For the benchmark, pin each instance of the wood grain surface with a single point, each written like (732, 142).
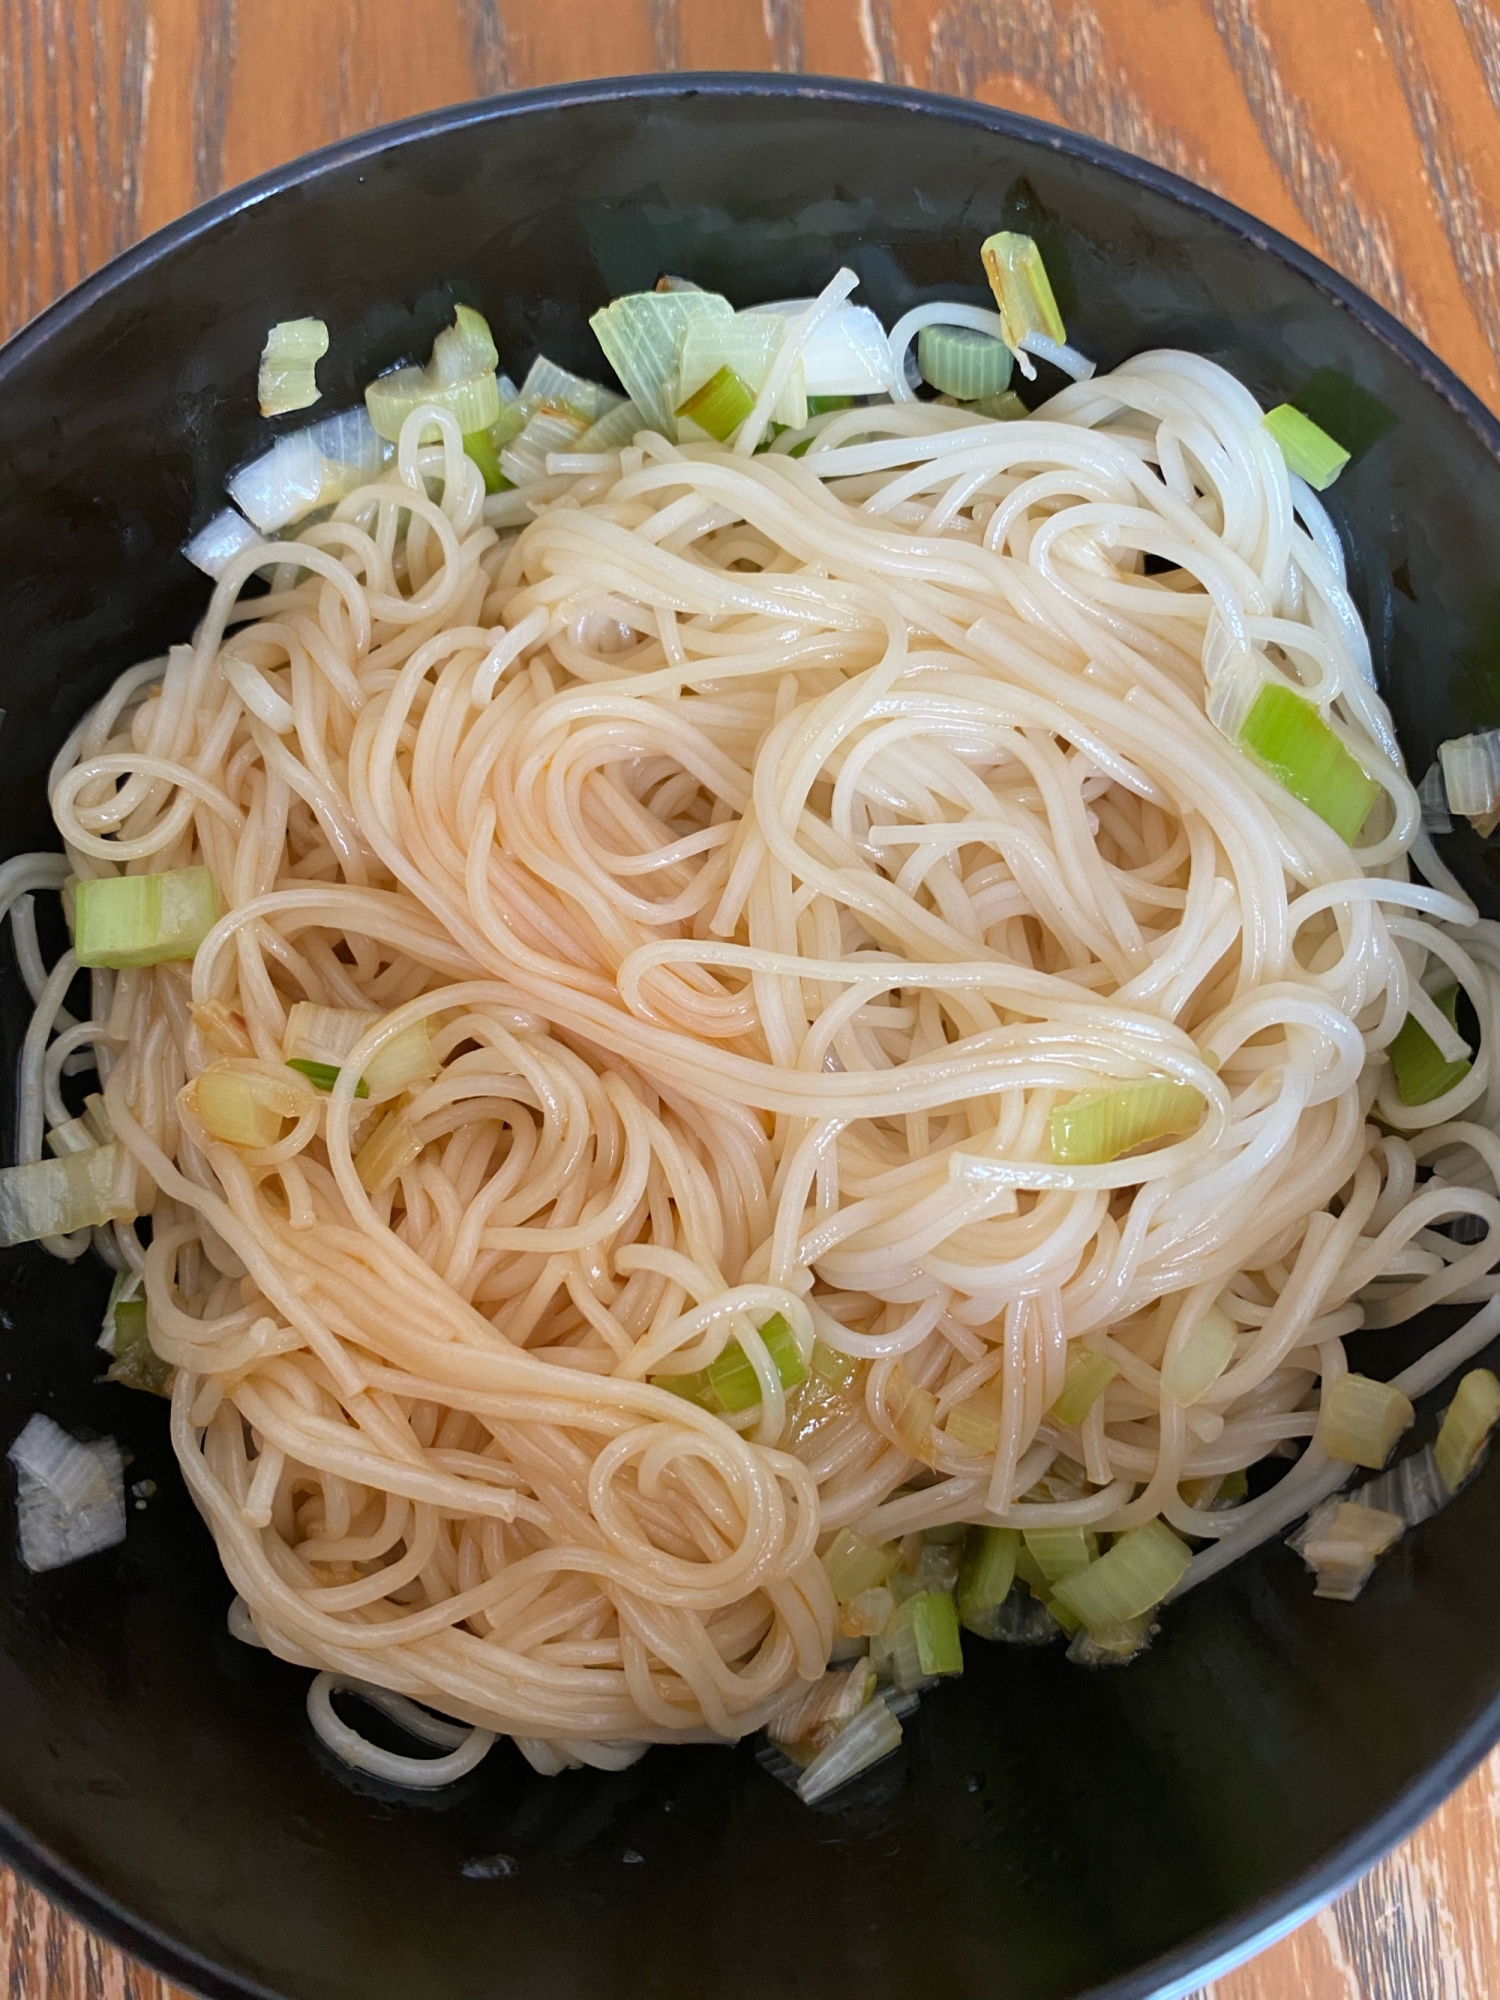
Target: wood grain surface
(1367, 129)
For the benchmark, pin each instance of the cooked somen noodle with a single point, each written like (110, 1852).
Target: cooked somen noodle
(771, 845)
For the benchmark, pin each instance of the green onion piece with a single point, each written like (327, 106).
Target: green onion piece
(324, 1075)
(1309, 452)
(55, 1197)
(1023, 291)
(866, 1613)
(1471, 1416)
(125, 920)
(136, 1364)
(1286, 736)
(695, 1388)
(986, 1575)
(459, 378)
(1030, 1572)
(481, 447)
(1215, 1491)
(1360, 1420)
(1087, 1377)
(747, 346)
(1111, 1645)
(893, 1652)
(406, 1059)
(546, 431)
(975, 1424)
(546, 382)
(856, 1564)
(736, 1383)
(641, 335)
(388, 1152)
(1341, 1541)
(288, 379)
(962, 362)
(614, 430)
(934, 1624)
(326, 1034)
(1202, 1359)
(1421, 1070)
(1005, 408)
(911, 1411)
(1234, 1487)
(721, 405)
(1100, 1125)
(1127, 1580)
(1061, 1552)
(839, 1370)
(823, 406)
(74, 1135)
(130, 1323)
(240, 1106)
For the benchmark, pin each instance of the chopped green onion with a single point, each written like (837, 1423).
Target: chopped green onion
(310, 468)
(839, 1370)
(867, 1612)
(406, 1059)
(130, 1323)
(1421, 1070)
(1204, 1355)
(872, 1735)
(1087, 1377)
(735, 1382)
(642, 335)
(388, 1152)
(747, 346)
(986, 1576)
(1061, 1552)
(694, 1388)
(481, 447)
(1215, 1491)
(460, 378)
(1470, 768)
(1004, 408)
(127, 920)
(911, 1411)
(1127, 1580)
(721, 405)
(136, 1364)
(893, 1652)
(325, 1036)
(855, 1564)
(975, 1424)
(55, 1197)
(1470, 1418)
(934, 1624)
(563, 390)
(323, 1076)
(1309, 452)
(243, 1107)
(1286, 736)
(1023, 291)
(1099, 1125)
(614, 430)
(74, 1135)
(288, 379)
(811, 1717)
(823, 406)
(1340, 1542)
(1111, 1645)
(546, 430)
(962, 362)
(1360, 1420)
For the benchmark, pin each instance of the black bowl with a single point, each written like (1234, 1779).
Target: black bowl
(1044, 1831)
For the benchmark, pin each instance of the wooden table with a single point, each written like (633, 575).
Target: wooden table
(1365, 128)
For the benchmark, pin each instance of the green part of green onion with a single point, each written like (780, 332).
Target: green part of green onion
(1309, 452)
(1030, 1572)
(801, 449)
(133, 920)
(1023, 291)
(288, 366)
(1350, 415)
(480, 446)
(130, 1323)
(693, 1388)
(934, 1624)
(731, 1376)
(1470, 1418)
(1099, 1125)
(1005, 408)
(823, 406)
(830, 1366)
(1360, 1420)
(721, 405)
(136, 1363)
(641, 334)
(854, 1563)
(1421, 1070)
(1286, 736)
(1087, 1377)
(1061, 1552)
(987, 1572)
(1233, 1488)
(324, 1075)
(1127, 1580)
(962, 362)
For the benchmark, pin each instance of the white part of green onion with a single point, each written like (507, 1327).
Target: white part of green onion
(1432, 796)
(70, 1499)
(138, 920)
(614, 430)
(288, 364)
(1471, 773)
(1413, 1488)
(847, 355)
(1111, 1645)
(870, 1737)
(311, 468)
(747, 345)
(1128, 1580)
(459, 377)
(960, 361)
(324, 1034)
(219, 540)
(1085, 1380)
(244, 1106)
(1100, 1125)
(1360, 1420)
(814, 1715)
(74, 1135)
(524, 459)
(1340, 1543)
(406, 1059)
(55, 1197)
(70, 1471)
(855, 1564)
(1191, 1368)
(388, 1152)
(867, 1612)
(560, 389)
(641, 335)
(1466, 1427)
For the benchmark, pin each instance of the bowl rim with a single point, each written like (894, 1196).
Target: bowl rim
(1210, 1953)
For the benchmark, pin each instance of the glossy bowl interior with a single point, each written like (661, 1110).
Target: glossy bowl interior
(1044, 1831)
